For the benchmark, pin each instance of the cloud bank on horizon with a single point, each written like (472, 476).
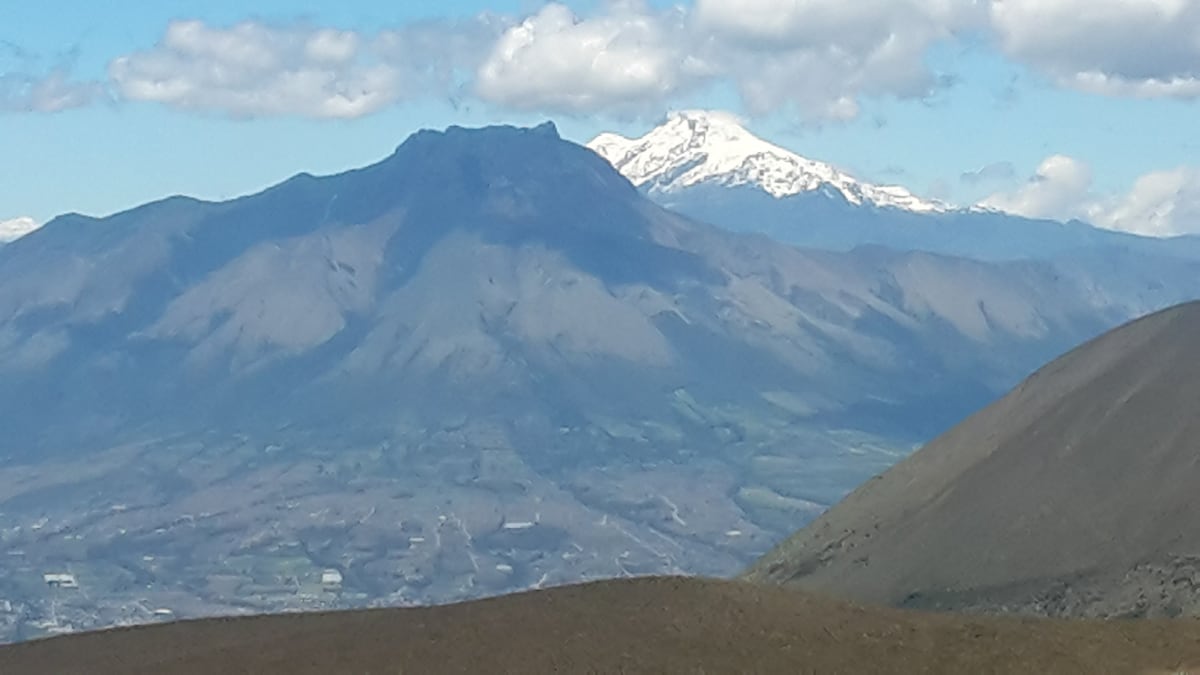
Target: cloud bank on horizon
(810, 60)
(1159, 204)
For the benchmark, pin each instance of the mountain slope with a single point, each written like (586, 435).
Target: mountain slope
(1073, 495)
(327, 289)
(694, 148)
(485, 363)
(638, 626)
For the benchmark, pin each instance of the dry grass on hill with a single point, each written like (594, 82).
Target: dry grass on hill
(643, 626)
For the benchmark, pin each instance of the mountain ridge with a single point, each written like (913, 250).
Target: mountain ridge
(707, 147)
(1068, 497)
(654, 625)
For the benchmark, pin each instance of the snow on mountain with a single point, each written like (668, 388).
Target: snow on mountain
(705, 147)
(14, 229)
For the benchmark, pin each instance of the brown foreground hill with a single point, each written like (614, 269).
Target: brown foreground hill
(1078, 494)
(642, 626)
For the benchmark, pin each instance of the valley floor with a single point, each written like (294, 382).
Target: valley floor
(198, 527)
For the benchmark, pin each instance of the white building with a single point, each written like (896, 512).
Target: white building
(60, 580)
(331, 579)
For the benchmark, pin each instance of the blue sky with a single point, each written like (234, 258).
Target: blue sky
(1058, 98)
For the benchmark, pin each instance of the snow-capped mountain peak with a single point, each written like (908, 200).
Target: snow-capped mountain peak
(697, 147)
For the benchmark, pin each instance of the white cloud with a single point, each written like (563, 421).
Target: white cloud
(851, 26)
(1162, 203)
(1140, 48)
(253, 69)
(47, 93)
(554, 60)
(819, 56)
(823, 55)
(1159, 204)
(14, 229)
(1060, 189)
(32, 83)
(441, 56)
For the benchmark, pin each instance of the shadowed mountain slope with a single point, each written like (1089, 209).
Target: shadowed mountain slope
(642, 626)
(1073, 495)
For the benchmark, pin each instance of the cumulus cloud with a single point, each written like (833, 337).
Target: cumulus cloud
(29, 85)
(823, 55)
(1060, 189)
(440, 54)
(15, 228)
(1140, 48)
(859, 26)
(253, 69)
(819, 56)
(816, 56)
(49, 93)
(990, 173)
(555, 60)
(1160, 203)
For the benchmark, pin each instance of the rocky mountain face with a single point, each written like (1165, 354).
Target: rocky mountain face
(486, 363)
(1071, 496)
(708, 166)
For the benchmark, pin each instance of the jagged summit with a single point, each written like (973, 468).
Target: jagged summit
(697, 147)
(546, 129)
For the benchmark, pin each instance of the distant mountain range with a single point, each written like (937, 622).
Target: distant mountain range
(487, 362)
(507, 272)
(707, 166)
(1071, 496)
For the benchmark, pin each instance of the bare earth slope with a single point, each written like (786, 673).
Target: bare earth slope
(648, 625)
(1073, 495)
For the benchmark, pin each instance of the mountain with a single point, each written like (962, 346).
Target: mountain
(1074, 495)
(629, 626)
(707, 166)
(484, 363)
(15, 228)
(695, 148)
